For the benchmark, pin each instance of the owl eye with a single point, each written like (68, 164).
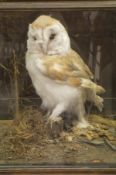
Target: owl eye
(52, 36)
(34, 38)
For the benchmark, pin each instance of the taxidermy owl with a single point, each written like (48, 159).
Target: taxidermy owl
(59, 75)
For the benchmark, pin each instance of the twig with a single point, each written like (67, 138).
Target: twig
(17, 117)
(113, 147)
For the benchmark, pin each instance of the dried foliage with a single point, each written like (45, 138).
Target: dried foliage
(30, 140)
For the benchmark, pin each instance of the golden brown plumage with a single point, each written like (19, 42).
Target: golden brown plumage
(43, 21)
(70, 69)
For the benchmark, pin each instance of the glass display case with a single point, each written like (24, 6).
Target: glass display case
(27, 144)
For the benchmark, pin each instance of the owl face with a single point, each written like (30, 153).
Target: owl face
(47, 36)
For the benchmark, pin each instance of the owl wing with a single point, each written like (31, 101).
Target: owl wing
(69, 69)
(80, 65)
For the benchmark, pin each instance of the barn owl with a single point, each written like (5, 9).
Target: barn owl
(59, 75)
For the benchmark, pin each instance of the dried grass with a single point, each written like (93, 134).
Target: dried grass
(30, 133)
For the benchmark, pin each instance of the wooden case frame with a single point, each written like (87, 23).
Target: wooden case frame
(81, 169)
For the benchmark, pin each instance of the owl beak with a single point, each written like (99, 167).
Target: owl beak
(42, 46)
(40, 42)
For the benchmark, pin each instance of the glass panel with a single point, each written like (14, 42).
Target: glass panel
(25, 135)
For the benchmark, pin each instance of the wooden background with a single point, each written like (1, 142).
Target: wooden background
(92, 34)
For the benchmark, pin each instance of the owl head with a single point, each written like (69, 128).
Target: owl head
(47, 36)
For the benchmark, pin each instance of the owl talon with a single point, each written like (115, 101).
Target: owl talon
(55, 126)
(53, 120)
(83, 125)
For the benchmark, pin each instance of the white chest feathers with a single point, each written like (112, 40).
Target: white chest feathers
(51, 92)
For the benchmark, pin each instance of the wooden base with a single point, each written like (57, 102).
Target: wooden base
(56, 170)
